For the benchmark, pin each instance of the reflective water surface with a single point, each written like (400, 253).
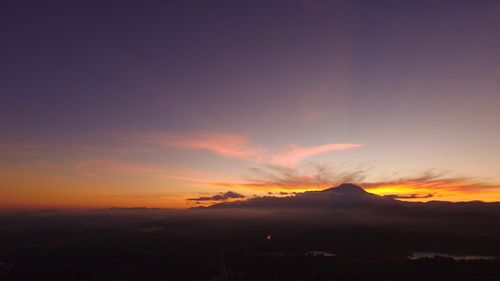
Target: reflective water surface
(418, 255)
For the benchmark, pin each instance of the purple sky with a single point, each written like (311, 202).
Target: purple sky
(413, 85)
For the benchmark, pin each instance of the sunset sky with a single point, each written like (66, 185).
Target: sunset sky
(151, 103)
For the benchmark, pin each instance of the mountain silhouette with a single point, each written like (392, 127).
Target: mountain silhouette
(348, 189)
(342, 195)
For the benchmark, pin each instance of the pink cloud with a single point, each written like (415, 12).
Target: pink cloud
(227, 145)
(293, 154)
(240, 147)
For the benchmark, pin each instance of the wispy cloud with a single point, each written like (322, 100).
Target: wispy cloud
(241, 147)
(293, 154)
(227, 145)
(441, 185)
(429, 184)
(434, 180)
(269, 177)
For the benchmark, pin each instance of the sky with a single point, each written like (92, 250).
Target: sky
(153, 103)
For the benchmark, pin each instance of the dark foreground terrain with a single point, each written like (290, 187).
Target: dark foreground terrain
(254, 245)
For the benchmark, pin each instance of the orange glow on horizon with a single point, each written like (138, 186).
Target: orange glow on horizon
(47, 186)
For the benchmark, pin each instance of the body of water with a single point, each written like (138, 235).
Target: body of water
(419, 255)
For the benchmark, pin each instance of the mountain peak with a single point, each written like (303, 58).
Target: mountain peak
(348, 189)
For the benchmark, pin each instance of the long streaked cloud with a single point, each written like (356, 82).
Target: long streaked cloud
(410, 196)
(226, 145)
(219, 197)
(436, 185)
(241, 147)
(434, 179)
(293, 154)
